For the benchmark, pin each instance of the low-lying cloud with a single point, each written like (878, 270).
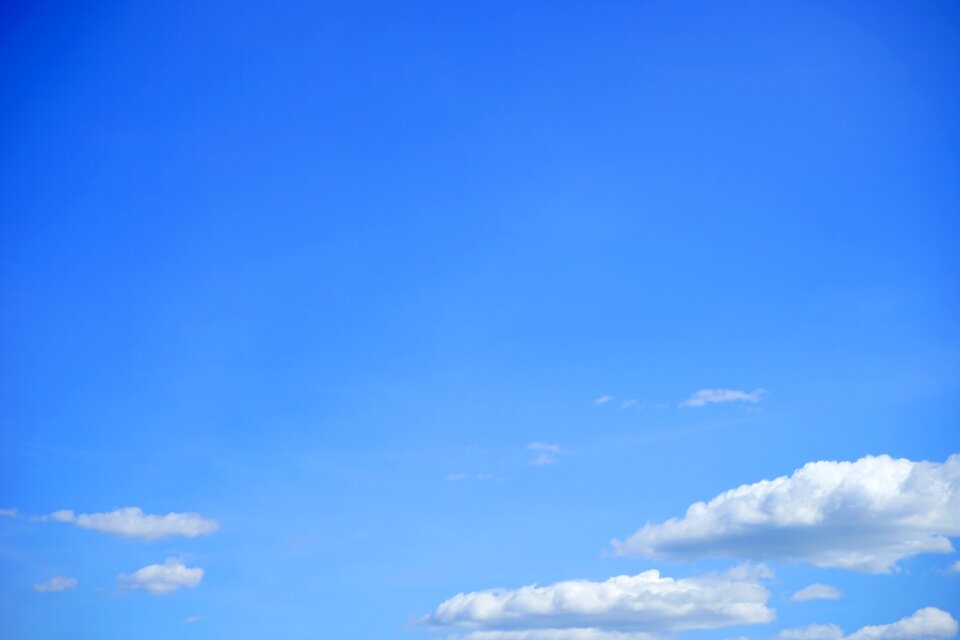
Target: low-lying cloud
(621, 607)
(132, 522)
(929, 623)
(864, 516)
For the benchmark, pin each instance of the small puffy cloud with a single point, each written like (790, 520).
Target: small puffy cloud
(193, 619)
(9, 513)
(56, 583)
(704, 397)
(604, 399)
(631, 606)
(545, 453)
(817, 591)
(864, 516)
(163, 578)
(929, 623)
(132, 522)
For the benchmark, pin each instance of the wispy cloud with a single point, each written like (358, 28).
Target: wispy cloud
(604, 399)
(629, 404)
(955, 567)
(646, 603)
(159, 579)
(545, 453)
(56, 583)
(9, 513)
(193, 619)
(929, 623)
(132, 522)
(817, 591)
(863, 516)
(456, 477)
(704, 397)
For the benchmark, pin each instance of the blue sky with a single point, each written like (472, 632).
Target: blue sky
(367, 305)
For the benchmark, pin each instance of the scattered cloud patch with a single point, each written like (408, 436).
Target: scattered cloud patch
(9, 513)
(193, 619)
(863, 516)
(629, 404)
(456, 477)
(929, 623)
(163, 578)
(56, 583)
(634, 606)
(817, 591)
(704, 397)
(604, 399)
(132, 522)
(544, 453)
(955, 567)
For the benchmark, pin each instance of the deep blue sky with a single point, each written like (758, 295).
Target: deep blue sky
(298, 266)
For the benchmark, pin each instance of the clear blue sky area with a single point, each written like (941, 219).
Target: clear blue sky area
(414, 299)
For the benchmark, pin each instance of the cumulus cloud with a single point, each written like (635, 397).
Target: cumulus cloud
(929, 623)
(162, 578)
(622, 607)
(545, 453)
(604, 399)
(56, 583)
(704, 397)
(132, 522)
(864, 516)
(817, 591)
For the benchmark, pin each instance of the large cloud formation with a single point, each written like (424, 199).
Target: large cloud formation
(132, 522)
(929, 623)
(621, 608)
(864, 516)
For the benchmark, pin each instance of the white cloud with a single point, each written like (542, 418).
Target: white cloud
(545, 453)
(926, 624)
(713, 396)
(193, 619)
(863, 516)
(56, 583)
(955, 567)
(604, 399)
(132, 522)
(9, 513)
(556, 634)
(163, 578)
(817, 591)
(812, 632)
(646, 603)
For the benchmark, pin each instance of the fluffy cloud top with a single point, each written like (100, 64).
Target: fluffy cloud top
(630, 606)
(163, 578)
(704, 397)
(56, 583)
(864, 516)
(817, 591)
(132, 522)
(926, 624)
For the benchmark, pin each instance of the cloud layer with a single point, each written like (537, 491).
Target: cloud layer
(163, 578)
(817, 591)
(630, 606)
(132, 522)
(56, 583)
(704, 397)
(864, 516)
(926, 624)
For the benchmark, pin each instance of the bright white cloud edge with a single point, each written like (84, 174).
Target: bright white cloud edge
(638, 605)
(864, 516)
(56, 583)
(928, 623)
(817, 591)
(132, 522)
(159, 579)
